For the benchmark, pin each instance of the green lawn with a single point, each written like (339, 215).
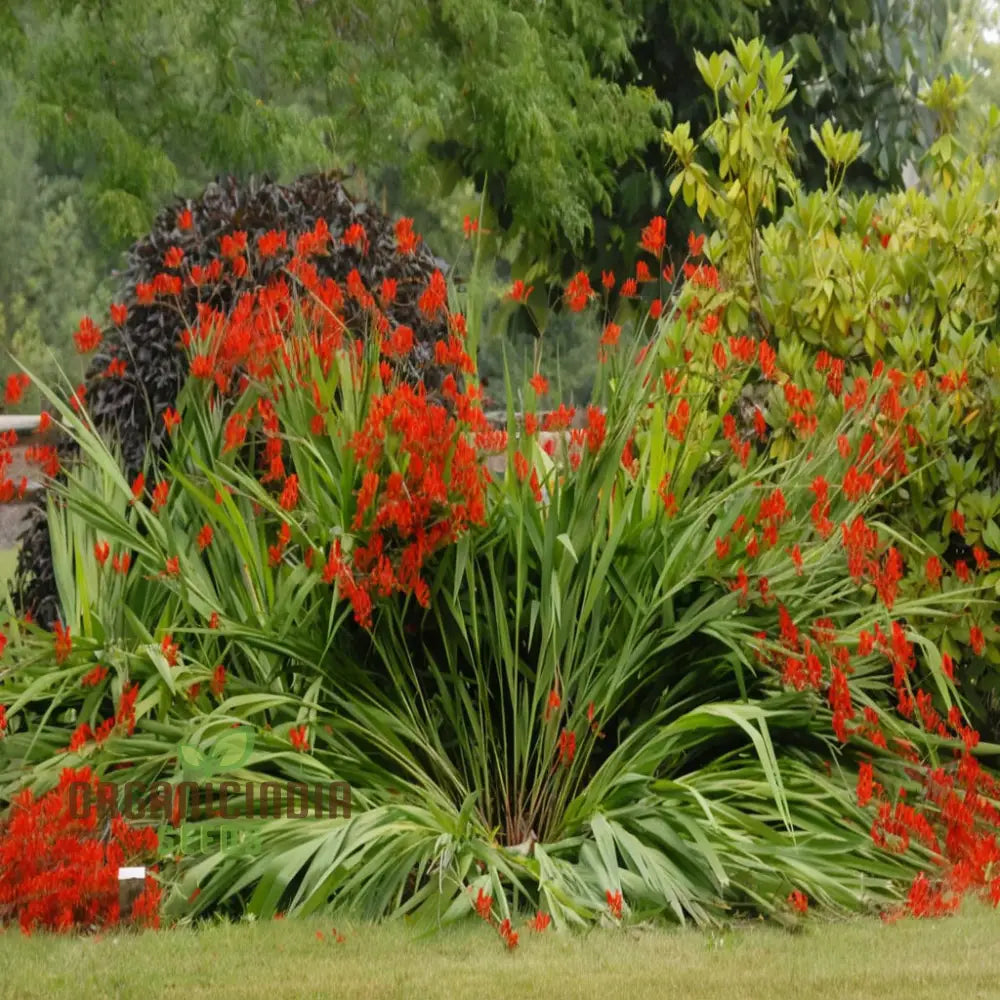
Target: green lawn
(911, 960)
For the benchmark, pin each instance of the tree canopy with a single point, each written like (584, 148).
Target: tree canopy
(552, 111)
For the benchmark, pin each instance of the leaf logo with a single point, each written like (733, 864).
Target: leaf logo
(231, 750)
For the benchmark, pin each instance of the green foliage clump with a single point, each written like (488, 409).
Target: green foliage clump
(655, 670)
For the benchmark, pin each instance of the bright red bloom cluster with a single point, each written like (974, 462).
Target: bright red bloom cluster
(423, 486)
(57, 874)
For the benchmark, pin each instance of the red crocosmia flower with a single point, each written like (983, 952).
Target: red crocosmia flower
(656, 309)
(976, 640)
(642, 272)
(160, 493)
(94, 677)
(798, 900)
(654, 236)
(63, 642)
(796, 554)
(629, 288)
(608, 279)
(612, 331)
(299, 737)
(567, 747)
(719, 357)
(539, 383)
(387, 293)
(553, 704)
(290, 494)
(170, 649)
(559, 420)
(213, 622)
(958, 522)
(87, 336)
(596, 429)
(406, 238)
(540, 922)
(677, 422)
(167, 284)
(173, 257)
(400, 343)
(434, 298)
(171, 418)
(759, 422)
(218, 680)
(44, 421)
(518, 292)
(695, 244)
(78, 397)
(885, 239)
(205, 537)
(484, 905)
(615, 902)
(115, 369)
(668, 498)
(578, 292)
(173, 566)
(948, 666)
(235, 431)
(119, 313)
(269, 243)
(508, 934)
(101, 552)
(354, 235)
(16, 384)
(864, 785)
(120, 564)
(138, 486)
(201, 367)
(710, 324)
(232, 245)
(184, 219)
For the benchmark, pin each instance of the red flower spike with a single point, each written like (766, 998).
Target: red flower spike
(654, 236)
(518, 292)
(87, 336)
(578, 292)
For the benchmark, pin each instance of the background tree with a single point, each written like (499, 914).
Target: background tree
(553, 111)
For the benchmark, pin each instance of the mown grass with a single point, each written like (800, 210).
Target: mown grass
(915, 960)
